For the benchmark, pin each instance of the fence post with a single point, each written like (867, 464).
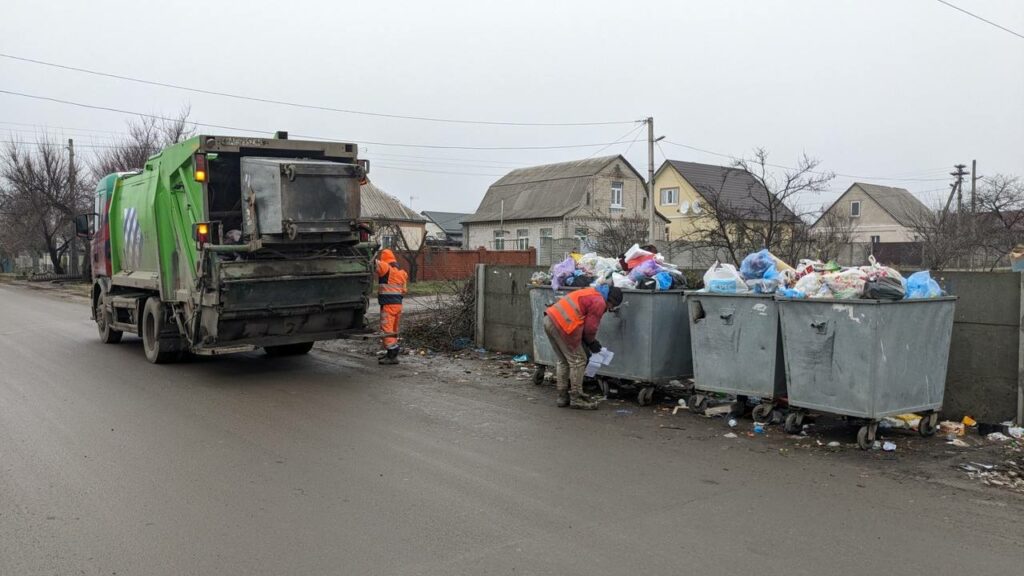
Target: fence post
(1020, 356)
(478, 329)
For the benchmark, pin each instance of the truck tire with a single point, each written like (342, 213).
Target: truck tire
(288, 349)
(160, 348)
(103, 320)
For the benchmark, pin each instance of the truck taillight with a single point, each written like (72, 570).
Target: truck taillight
(199, 168)
(201, 233)
(364, 236)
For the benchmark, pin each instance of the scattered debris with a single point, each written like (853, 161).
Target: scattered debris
(521, 358)
(732, 423)
(717, 410)
(947, 428)
(889, 446)
(759, 428)
(958, 443)
(731, 435)
(833, 444)
(997, 437)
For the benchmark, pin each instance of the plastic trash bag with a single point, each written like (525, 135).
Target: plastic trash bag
(921, 285)
(622, 281)
(561, 271)
(646, 269)
(664, 280)
(884, 288)
(791, 293)
(540, 278)
(724, 279)
(636, 256)
(846, 285)
(756, 264)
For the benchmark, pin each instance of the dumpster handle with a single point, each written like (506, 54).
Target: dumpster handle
(820, 326)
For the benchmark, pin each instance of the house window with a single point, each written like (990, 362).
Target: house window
(669, 196)
(616, 194)
(588, 197)
(580, 232)
(643, 203)
(545, 232)
(667, 237)
(387, 241)
(855, 209)
(499, 239)
(522, 238)
(876, 239)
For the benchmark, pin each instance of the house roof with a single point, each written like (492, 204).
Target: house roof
(548, 191)
(377, 204)
(733, 187)
(450, 222)
(903, 206)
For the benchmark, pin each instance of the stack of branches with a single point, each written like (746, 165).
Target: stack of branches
(446, 321)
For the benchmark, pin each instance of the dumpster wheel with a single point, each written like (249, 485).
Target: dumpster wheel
(645, 395)
(605, 386)
(866, 435)
(927, 425)
(538, 374)
(794, 423)
(762, 413)
(698, 403)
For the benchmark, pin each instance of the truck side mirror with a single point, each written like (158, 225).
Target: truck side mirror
(84, 225)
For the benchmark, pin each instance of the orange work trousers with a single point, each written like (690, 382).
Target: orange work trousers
(390, 315)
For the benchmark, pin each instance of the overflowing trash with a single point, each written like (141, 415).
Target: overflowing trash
(639, 268)
(764, 273)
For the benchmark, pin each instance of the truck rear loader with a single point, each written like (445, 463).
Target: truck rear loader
(225, 244)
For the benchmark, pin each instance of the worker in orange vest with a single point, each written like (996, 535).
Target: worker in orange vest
(391, 286)
(571, 325)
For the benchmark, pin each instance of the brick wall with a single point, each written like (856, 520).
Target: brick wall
(442, 264)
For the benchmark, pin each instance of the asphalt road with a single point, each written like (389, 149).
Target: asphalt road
(328, 464)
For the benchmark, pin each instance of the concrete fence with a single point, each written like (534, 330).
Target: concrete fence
(985, 376)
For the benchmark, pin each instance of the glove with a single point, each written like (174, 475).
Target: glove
(594, 346)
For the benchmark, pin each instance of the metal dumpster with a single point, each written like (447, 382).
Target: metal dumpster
(867, 359)
(648, 334)
(736, 348)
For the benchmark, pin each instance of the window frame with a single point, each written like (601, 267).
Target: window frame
(618, 187)
(858, 211)
(661, 196)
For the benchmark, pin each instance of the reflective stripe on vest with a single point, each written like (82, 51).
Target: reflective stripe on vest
(389, 292)
(566, 312)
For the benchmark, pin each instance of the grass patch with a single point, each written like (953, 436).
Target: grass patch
(431, 287)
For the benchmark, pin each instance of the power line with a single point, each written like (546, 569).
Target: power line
(973, 15)
(436, 171)
(301, 105)
(811, 171)
(311, 137)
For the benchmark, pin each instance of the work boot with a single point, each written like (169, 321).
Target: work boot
(391, 357)
(578, 402)
(563, 398)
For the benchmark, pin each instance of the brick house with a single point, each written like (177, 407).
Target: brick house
(555, 207)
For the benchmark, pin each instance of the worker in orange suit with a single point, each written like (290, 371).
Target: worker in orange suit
(392, 282)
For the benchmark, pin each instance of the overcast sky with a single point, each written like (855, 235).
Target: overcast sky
(872, 88)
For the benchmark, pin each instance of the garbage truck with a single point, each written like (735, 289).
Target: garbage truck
(225, 244)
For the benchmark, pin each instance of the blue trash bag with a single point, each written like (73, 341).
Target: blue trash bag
(756, 264)
(664, 280)
(792, 293)
(723, 286)
(921, 285)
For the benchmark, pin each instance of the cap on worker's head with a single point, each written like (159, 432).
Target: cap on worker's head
(614, 297)
(386, 255)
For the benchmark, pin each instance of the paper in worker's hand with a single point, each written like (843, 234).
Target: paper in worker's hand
(602, 358)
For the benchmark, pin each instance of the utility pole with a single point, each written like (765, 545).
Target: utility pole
(650, 178)
(73, 259)
(974, 186)
(956, 189)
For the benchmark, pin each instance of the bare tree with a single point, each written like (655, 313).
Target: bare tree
(145, 136)
(831, 234)
(999, 221)
(37, 203)
(763, 214)
(404, 241)
(612, 236)
(944, 238)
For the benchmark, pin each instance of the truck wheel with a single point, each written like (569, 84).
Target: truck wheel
(160, 348)
(103, 320)
(288, 349)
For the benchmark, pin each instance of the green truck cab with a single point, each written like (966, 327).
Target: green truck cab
(224, 244)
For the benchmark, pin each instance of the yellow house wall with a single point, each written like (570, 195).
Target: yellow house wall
(681, 225)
